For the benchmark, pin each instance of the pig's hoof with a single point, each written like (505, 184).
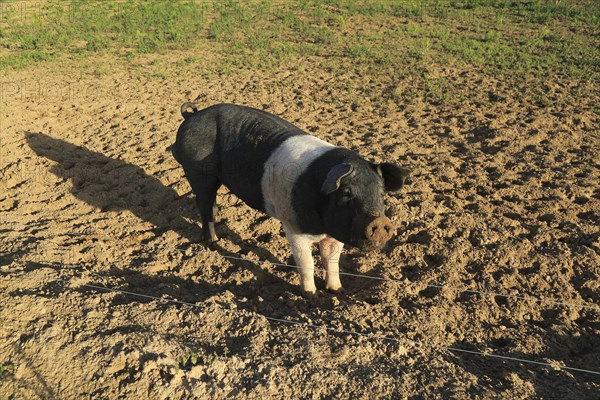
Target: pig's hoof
(310, 295)
(338, 291)
(211, 239)
(211, 244)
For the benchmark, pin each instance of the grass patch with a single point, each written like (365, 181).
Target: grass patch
(95, 26)
(491, 33)
(22, 60)
(397, 40)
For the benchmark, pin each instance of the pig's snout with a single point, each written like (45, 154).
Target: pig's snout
(379, 230)
(373, 231)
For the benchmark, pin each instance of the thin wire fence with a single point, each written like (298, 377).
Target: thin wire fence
(519, 296)
(372, 335)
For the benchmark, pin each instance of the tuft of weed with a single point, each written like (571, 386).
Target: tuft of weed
(6, 368)
(202, 357)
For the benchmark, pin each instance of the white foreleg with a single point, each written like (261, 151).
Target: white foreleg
(301, 249)
(331, 250)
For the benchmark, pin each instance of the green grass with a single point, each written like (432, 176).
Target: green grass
(274, 31)
(6, 368)
(393, 39)
(192, 359)
(91, 27)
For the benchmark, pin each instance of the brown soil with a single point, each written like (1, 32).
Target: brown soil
(504, 198)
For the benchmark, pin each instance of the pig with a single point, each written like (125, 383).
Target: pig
(320, 192)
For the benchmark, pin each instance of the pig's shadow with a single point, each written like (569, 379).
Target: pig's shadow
(112, 185)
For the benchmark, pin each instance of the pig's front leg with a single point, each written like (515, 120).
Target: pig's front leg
(301, 249)
(331, 250)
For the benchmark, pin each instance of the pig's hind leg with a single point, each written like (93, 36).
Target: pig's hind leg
(205, 188)
(331, 250)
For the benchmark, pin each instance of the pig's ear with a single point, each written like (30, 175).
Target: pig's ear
(394, 177)
(335, 176)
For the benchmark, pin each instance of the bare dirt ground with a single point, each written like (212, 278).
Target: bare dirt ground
(504, 199)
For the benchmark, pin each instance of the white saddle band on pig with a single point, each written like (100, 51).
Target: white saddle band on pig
(281, 171)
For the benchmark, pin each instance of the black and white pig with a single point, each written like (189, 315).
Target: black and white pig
(319, 192)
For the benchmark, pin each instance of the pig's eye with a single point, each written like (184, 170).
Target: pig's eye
(346, 196)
